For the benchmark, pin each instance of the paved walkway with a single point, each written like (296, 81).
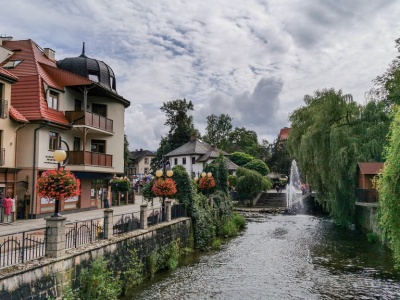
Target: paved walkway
(23, 225)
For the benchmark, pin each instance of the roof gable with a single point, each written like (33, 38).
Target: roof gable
(370, 168)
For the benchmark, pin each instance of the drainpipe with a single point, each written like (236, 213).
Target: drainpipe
(33, 200)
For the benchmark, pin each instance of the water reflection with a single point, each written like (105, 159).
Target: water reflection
(284, 257)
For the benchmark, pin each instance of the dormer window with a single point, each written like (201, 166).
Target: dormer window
(94, 76)
(112, 82)
(53, 99)
(12, 64)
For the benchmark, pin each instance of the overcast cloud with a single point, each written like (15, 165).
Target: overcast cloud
(254, 60)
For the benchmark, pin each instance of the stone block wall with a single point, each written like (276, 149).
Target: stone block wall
(48, 277)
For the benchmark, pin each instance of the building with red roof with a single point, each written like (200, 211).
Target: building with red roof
(74, 102)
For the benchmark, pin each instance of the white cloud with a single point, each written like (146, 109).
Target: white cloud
(254, 60)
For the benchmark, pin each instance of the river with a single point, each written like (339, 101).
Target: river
(283, 257)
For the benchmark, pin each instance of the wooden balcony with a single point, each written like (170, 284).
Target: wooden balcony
(367, 195)
(89, 119)
(90, 158)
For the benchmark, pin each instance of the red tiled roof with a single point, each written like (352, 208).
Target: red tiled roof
(16, 115)
(370, 168)
(284, 133)
(28, 94)
(5, 73)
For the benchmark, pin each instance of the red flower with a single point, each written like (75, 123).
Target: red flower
(163, 187)
(58, 183)
(206, 182)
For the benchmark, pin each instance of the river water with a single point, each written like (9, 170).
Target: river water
(283, 257)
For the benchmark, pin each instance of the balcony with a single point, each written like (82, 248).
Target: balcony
(90, 158)
(2, 156)
(89, 119)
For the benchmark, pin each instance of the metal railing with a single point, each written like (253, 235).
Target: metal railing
(89, 119)
(21, 247)
(156, 215)
(126, 223)
(83, 232)
(178, 211)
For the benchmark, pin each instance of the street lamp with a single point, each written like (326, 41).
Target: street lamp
(164, 173)
(59, 156)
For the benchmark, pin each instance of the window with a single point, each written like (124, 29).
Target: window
(53, 141)
(12, 64)
(94, 76)
(112, 82)
(146, 170)
(146, 160)
(78, 105)
(3, 109)
(175, 161)
(99, 109)
(98, 146)
(52, 100)
(77, 143)
(183, 160)
(193, 160)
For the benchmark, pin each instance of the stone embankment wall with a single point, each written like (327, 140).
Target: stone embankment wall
(366, 217)
(48, 277)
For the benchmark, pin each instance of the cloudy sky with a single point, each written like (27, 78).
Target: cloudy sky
(254, 60)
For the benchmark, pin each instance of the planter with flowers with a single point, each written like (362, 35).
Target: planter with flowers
(58, 184)
(206, 183)
(121, 186)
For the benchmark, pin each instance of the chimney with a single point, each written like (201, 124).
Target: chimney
(193, 137)
(5, 38)
(50, 54)
(213, 147)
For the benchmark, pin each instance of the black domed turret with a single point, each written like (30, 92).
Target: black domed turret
(94, 69)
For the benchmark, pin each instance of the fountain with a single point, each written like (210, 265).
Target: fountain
(293, 190)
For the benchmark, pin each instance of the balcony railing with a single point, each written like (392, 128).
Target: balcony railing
(90, 158)
(2, 156)
(89, 119)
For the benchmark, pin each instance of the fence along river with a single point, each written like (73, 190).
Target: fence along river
(283, 257)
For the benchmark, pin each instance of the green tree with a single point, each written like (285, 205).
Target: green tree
(181, 127)
(257, 165)
(328, 137)
(243, 140)
(127, 152)
(389, 189)
(241, 158)
(280, 160)
(217, 130)
(250, 183)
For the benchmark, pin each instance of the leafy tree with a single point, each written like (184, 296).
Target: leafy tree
(185, 187)
(250, 183)
(181, 127)
(280, 160)
(389, 189)
(243, 140)
(220, 173)
(127, 153)
(241, 158)
(328, 137)
(257, 165)
(218, 129)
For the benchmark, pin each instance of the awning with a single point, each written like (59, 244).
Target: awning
(93, 175)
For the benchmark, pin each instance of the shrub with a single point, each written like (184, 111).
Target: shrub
(134, 270)
(239, 221)
(98, 282)
(216, 244)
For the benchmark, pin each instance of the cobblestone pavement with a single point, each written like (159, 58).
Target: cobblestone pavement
(23, 225)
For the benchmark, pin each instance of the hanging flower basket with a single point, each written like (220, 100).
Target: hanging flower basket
(163, 187)
(206, 183)
(58, 183)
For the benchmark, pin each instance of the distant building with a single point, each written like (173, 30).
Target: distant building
(196, 154)
(284, 134)
(139, 163)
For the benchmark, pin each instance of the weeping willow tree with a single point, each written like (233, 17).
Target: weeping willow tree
(389, 189)
(328, 137)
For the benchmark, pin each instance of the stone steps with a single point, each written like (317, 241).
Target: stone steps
(272, 200)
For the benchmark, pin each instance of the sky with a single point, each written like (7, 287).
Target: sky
(252, 59)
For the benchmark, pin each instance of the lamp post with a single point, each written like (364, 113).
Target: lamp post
(164, 173)
(59, 156)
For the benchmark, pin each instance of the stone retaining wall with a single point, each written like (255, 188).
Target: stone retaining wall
(48, 277)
